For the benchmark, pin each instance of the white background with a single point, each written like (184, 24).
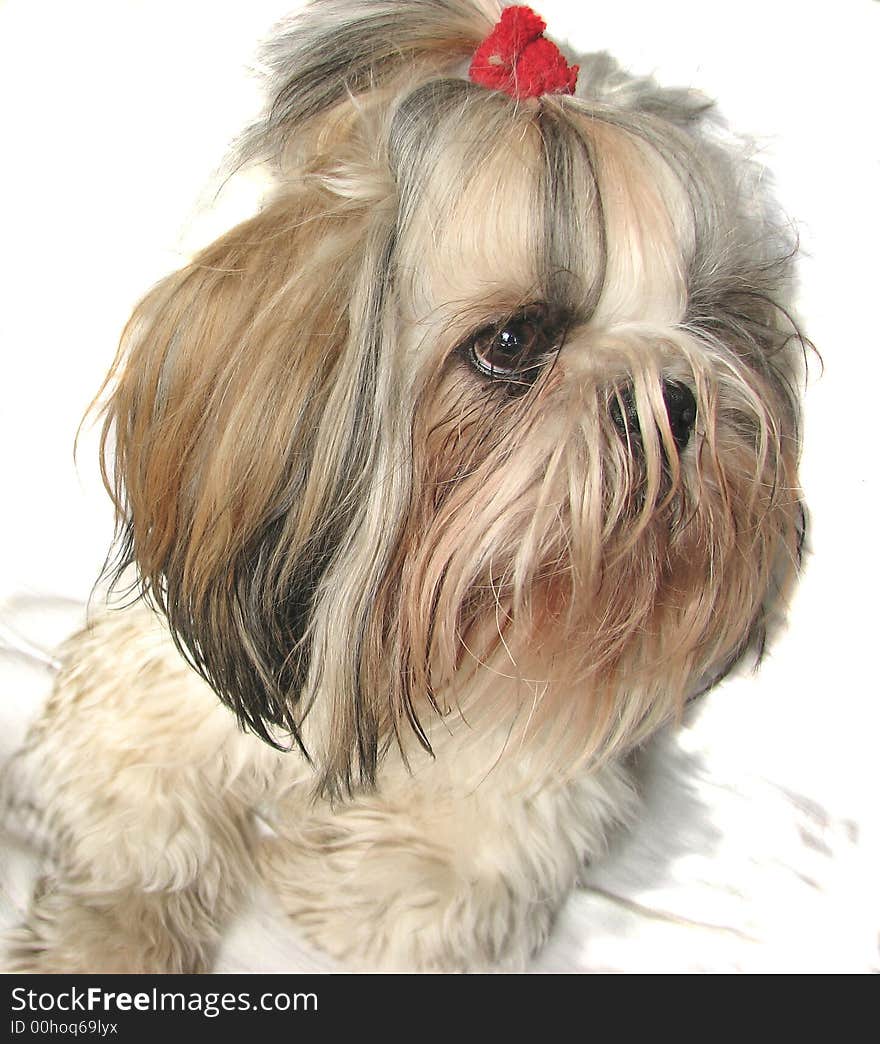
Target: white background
(115, 115)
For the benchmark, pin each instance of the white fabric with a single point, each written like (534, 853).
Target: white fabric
(757, 847)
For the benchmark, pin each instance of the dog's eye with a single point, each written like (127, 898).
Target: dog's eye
(514, 350)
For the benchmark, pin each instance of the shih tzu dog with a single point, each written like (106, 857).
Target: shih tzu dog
(446, 479)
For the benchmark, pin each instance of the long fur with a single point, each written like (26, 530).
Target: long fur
(449, 600)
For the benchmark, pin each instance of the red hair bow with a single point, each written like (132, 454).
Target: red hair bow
(516, 58)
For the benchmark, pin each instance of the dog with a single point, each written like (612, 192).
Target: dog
(442, 483)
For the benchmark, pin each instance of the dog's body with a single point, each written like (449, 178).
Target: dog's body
(434, 869)
(454, 473)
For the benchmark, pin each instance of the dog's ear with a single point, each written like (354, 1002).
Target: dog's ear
(242, 440)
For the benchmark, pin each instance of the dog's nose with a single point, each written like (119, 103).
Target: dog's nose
(681, 409)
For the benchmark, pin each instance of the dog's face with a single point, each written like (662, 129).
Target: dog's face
(489, 411)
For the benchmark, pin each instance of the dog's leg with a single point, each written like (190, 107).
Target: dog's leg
(141, 784)
(430, 877)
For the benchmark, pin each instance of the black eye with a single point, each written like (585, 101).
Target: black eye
(516, 349)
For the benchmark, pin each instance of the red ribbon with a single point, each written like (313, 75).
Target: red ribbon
(517, 58)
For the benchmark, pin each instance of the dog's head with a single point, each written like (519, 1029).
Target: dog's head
(489, 410)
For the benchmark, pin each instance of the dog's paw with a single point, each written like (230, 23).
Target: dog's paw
(408, 906)
(71, 932)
